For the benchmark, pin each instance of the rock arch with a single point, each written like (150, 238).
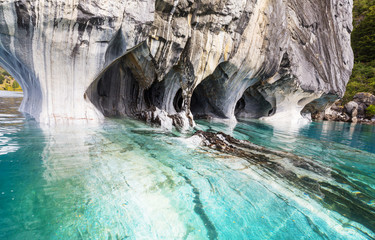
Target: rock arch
(81, 62)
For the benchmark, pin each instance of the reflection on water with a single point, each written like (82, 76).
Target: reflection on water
(126, 180)
(10, 118)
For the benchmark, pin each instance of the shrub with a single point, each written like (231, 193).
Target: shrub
(6, 74)
(363, 44)
(363, 36)
(362, 80)
(370, 111)
(15, 85)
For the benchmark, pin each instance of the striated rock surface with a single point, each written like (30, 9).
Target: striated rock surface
(328, 186)
(179, 59)
(55, 49)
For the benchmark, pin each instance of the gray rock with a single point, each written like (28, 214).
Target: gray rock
(342, 117)
(354, 113)
(350, 106)
(82, 60)
(364, 98)
(362, 110)
(354, 119)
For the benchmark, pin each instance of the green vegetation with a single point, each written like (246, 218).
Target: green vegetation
(15, 85)
(370, 111)
(363, 43)
(360, 8)
(362, 80)
(363, 37)
(7, 82)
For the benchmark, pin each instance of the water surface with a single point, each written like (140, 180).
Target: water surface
(127, 180)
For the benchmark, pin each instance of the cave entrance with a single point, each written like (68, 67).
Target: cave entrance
(253, 105)
(200, 105)
(178, 101)
(240, 106)
(122, 87)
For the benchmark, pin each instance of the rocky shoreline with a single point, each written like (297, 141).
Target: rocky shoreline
(359, 110)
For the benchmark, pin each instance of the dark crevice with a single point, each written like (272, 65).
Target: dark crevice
(178, 101)
(271, 112)
(240, 106)
(154, 96)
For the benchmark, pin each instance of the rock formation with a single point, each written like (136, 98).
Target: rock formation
(329, 186)
(55, 50)
(354, 111)
(178, 59)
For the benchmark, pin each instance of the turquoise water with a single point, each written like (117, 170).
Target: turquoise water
(127, 180)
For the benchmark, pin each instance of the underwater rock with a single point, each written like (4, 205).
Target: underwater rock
(82, 60)
(326, 185)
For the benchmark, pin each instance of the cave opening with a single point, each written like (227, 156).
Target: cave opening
(200, 105)
(121, 90)
(178, 101)
(117, 92)
(126, 86)
(240, 106)
(153, 96)
(253, 104)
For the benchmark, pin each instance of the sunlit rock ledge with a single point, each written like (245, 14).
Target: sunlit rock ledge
(176, 61)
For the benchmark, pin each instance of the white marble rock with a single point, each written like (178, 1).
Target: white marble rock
(82, 60)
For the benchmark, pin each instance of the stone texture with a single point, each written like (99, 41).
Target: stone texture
(354, 111)
(364, 100)
(209, 58)
(55, 49)
(320, 182)
(350, 107)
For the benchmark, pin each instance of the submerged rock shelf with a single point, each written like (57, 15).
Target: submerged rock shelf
(333, 189)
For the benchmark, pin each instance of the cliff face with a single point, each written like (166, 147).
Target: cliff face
(55, 49)
(168, 61)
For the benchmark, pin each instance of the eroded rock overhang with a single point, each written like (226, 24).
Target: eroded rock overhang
(56, 49)
(194, 59)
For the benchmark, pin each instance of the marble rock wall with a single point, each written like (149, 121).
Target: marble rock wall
(176, 59)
